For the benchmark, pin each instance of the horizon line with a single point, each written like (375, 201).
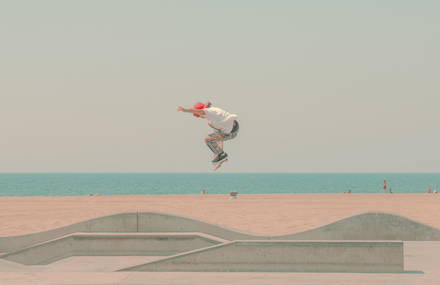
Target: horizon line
(280, 172)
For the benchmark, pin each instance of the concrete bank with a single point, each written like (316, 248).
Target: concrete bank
(287, 256)
(367, 226)
(135, 244)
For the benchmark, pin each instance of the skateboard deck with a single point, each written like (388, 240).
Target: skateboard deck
(218, 164)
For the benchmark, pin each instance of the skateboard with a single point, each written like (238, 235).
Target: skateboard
(218, 164)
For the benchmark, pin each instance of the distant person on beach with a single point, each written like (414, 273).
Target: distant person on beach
(428, 190)
(233, 194)
(391, 191)
(384, 184)
(225, 127)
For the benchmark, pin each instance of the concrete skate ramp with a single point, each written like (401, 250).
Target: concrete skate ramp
(370, 226)
(157, 222)
(287, 256)
(126, 223)
(135, 244)
(367, 226)
(119, 223)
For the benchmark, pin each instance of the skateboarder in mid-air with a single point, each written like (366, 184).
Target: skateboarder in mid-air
(224, 124)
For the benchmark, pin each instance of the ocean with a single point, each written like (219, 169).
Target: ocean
(76, 184)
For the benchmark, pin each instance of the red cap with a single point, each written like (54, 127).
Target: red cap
(200, 106)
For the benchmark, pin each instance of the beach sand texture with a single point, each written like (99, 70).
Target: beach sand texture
(267, 214)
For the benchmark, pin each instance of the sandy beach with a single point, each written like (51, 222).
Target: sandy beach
(268, 214)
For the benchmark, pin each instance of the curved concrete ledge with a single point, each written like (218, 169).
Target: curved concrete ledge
(159, 222)
(119, 223)
(147, 222)
(286, 256)
(135, 244)
(367, 226)
(370, 226)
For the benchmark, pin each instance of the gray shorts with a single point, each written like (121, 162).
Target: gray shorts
(218, 136)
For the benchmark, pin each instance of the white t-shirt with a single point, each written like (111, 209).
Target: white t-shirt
(220, 119)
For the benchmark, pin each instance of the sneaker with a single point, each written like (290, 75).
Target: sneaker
(220, 157)
(216, 158)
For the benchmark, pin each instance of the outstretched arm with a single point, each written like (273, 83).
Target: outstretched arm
(194, 111)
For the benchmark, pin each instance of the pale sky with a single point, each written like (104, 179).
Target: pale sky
(319, 86)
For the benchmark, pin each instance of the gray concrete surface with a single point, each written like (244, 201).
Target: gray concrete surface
(368, 226)
(146, 244)
(118, 223)
(97, 263)
(286, 256)
(125, 223)
(80, 264)
(158, 222)
(421, 268)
